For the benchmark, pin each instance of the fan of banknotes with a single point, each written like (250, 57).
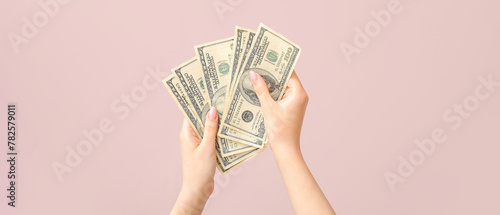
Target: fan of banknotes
(219, 76)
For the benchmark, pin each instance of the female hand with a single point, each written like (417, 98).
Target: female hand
(198, 166)
(282, 119)
(283, 122)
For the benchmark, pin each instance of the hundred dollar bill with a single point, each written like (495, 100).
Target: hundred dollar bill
(191, 79)
(243, 38)
(272, 56)
(234, 134)
(215, 60)
(225, 164)
(230, 147)
(243, 42)
(173, 86)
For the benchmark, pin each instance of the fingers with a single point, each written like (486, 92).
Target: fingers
(189, 139)
(286, 93)
(187, 130)
(297, 88)
(294, 81)
(211, 125)
(261, 90)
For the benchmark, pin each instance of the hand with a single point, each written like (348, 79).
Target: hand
(282, 119)
(198, 166)
(283, 122)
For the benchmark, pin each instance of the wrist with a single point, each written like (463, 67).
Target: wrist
(289, 159)
(188, 202)
(286, 148)
(193, 197)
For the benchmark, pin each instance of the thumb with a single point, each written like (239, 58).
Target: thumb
(260, 87)
(210, 132)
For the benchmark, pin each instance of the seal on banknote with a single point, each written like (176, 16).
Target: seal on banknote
(247, 116)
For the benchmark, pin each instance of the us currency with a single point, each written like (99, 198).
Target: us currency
(224, 164)
(243, 42)
(173, 86)
(233, 134)
(272, 56)
(191, 78)
(215, 60)
(243, 38)
(230, 147)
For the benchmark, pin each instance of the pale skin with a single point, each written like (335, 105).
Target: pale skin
(283, 123)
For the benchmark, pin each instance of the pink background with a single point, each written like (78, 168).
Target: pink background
(362, 116)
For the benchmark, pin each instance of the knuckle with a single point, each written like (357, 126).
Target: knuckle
(210, 188)
(210, 127)
(303, 98)
(260, 90)
(306, 98)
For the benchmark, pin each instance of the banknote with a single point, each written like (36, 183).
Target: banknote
(174, 87)
(215, 60)
(225, 164)
(234, 156)
(231, 147)
(234, 134)
(272, 56)
(243, 38)
(191, 79)
(219, 77)
(243, 42)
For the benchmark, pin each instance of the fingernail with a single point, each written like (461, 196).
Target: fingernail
(212, 114)
(253, 77)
